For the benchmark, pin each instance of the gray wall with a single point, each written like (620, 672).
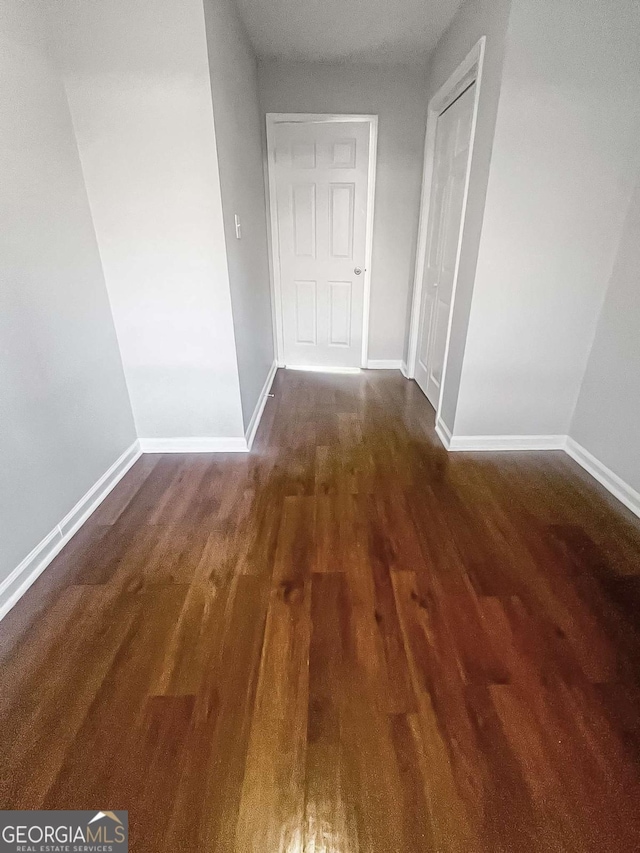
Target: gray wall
(239, 138)
(607, 417)
(65, 415)
(137, 78)
(475, 18)
(398, 95)
(563, 167)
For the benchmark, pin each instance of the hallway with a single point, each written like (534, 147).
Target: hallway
(346, 640)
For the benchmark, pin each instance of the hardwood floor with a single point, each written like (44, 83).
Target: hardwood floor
(348, 640)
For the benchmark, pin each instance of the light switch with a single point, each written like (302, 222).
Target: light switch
(238, 227)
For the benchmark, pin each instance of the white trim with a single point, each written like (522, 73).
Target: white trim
(614, 484)
(318, 118)
(31, 567)
(473, 61)
(384, 364)
(274, 256)
(505, 442)
(444, 433)
(252, 428)
(368, 244)
(215, 444)
(312, 368)
(404, 369)
(275, 329)
(195, 444)
(90, 501)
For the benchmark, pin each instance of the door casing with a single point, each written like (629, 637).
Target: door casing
(469, 69)
(274, 119)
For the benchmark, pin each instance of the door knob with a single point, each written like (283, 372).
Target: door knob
(357, 270)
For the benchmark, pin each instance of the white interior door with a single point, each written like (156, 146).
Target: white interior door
(450, 167)
(321, 174)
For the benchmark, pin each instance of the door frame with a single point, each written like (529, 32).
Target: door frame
(469, 70)
(272, 119)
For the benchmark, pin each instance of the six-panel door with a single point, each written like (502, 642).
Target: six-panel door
(321, 172)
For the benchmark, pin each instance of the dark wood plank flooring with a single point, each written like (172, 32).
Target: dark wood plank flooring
(348, 640)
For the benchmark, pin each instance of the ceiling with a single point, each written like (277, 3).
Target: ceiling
(384, 31)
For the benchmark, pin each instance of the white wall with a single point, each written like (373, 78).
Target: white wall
(64, 410)
(564, 163)
(137, 79)
(607, 417)
(398, 95)
(474, 19)
(239, 138)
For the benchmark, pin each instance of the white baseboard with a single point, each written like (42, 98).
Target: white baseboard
(214, 444)
(194, 444)
(605, 476)
(20, 579)
(506, 442)
(384, 364)
(404, 370)
(444, 433)
(252, 428)
(614, 484)
(322, 369)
